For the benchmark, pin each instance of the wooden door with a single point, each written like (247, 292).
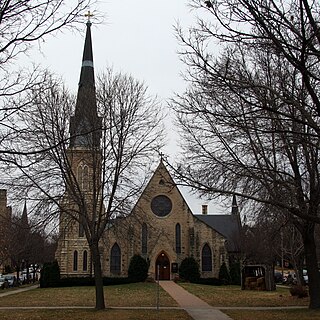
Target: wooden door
(163, 267)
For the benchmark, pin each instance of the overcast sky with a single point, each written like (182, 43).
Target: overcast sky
(136, 37)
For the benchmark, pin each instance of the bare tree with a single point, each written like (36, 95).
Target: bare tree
(250, 118)
(24, 24)
(101, 182)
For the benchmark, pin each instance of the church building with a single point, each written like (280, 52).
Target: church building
(161, 227)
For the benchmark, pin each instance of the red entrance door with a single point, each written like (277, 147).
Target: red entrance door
(162, 267)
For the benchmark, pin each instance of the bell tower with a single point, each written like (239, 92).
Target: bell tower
(81, 203)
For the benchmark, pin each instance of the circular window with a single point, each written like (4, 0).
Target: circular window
(161, 205)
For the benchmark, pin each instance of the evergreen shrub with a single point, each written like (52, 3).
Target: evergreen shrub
(224, 275)
(189, 270)
(50, 275)
(235, 274)
(209, 281)
(138, 269)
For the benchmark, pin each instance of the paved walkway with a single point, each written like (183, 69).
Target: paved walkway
(14, 291)
(197, 308)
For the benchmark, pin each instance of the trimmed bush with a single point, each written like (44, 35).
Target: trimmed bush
(299, 291)
(209, 281)
(224, 275)
(76, 282)
(189, 270)
(138, 269)
(50, 275)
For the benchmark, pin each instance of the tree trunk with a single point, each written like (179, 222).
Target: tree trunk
(98, 276)
(312, 266)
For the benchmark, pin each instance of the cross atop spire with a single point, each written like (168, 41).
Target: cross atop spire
(88, 15)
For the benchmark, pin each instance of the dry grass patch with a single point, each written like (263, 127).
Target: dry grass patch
(94, 315)
(137, 295)
(233, 296)
(301, 314)
(126, 295)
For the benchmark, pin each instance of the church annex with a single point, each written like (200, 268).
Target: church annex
(161, 227)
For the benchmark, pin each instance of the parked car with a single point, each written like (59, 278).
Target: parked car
(12, 280)
(305, 276)
(278, 278)
(2, 282)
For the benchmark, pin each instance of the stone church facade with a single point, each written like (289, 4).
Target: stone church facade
(161, 227)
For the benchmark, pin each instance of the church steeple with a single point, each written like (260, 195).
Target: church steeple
(24, 217)
(85, 125)
(235, 208)
(87, 70)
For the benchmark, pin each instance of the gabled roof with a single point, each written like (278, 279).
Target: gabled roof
(166, 176)
(228, 225)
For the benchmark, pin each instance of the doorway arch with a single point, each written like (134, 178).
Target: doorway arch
(162, 267)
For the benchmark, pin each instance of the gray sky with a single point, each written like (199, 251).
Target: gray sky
(137, 37)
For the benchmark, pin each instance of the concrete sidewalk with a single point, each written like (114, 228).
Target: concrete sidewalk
(197, 308)
(9, 292)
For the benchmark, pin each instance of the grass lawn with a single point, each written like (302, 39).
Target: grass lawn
(298, 314)
(93, 315)
(144, 295)
(233, 296)
(126, 295)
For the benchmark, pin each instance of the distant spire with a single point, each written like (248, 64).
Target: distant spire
(24, 216)
(235, 208)
(85, 126)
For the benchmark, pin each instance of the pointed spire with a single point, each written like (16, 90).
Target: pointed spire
(24, 216)
(235, 208)
(85, 126)
(87, 70)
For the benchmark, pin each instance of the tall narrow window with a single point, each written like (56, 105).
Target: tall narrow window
(80, 174)
(75, 260)
(115, 259)
(85, 178)
(85, 260)
(81, 229)
(178, 238)
(144, 239)
(206, 258)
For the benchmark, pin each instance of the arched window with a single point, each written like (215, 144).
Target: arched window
(144, 239)
(178, 238)
(83, 176)
(115, 259)
(206, 258)
(85, 260)
(75, 260)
